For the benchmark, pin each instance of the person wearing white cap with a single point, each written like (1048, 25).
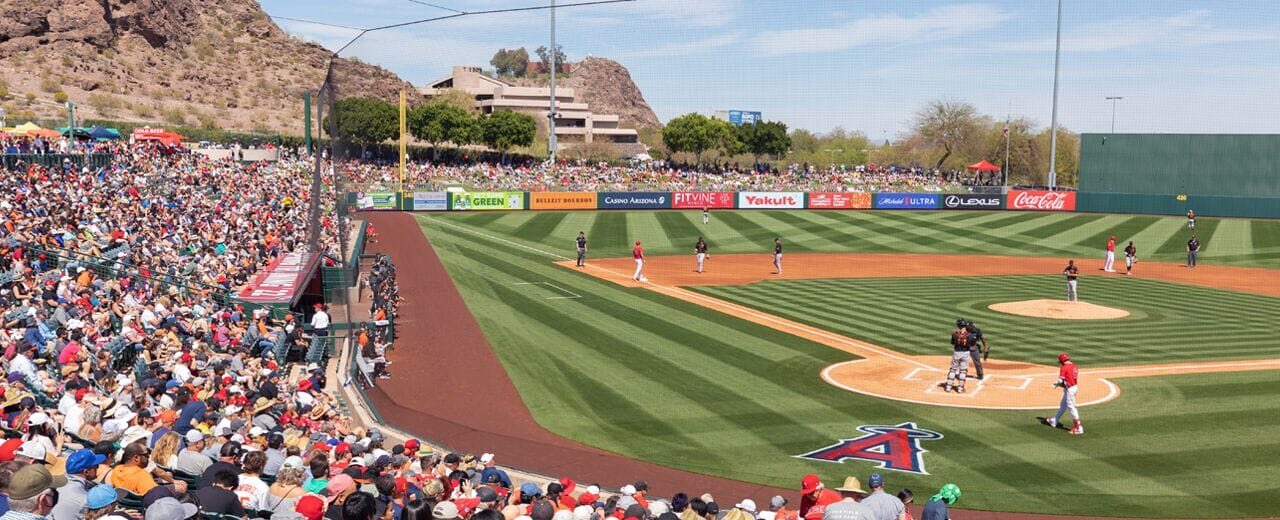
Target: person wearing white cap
(491, 469)
(190, 460)
(31, 452)
(747, 505)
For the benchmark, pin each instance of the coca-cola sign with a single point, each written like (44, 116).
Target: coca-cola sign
(702, 199)
(770, 200)
(1042, 200)
(972, 201)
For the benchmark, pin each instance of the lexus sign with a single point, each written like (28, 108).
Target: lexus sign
(970, 201)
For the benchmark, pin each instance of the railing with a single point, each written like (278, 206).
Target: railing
(78, 160)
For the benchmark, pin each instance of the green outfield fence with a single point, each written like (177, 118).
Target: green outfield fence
(79, 160)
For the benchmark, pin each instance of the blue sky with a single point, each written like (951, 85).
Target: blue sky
(1181, 66)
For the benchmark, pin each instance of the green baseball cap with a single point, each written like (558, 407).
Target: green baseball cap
(32, 480)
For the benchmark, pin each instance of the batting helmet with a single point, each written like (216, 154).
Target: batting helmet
(1063, 357)
(960, 322)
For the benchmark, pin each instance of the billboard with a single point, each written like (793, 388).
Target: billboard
(744, 117)
(487, 200)
(771, 200)
(702, 199)
(972, 201)
(376, 200)
(430, 201)
(839, 200)
(1042, 200)
(562, 200)
(906, 200)
(634, 200)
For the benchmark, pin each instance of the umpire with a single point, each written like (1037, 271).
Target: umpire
(978, 349)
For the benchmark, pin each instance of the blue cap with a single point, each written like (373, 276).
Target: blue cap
(875, 481)
(101, 496)
(81, 460)
(529, 489)
(171, 384)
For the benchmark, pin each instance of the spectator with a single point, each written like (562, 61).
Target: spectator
(218, 495)
(32, 492)
(416, 510)
(191, 460)
(850, 506)
(286, 491)
(165, 451)
(251, 488)
(883, 505)
(169, 508)
(359, 506)
(82, 469)
(936, 507)
(100, 504)
(907, 498)
(814, 494)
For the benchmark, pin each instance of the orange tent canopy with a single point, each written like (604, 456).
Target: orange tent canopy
(45, 133)
(983, 166)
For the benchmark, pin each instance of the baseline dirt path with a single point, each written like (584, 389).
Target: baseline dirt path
(888, 374)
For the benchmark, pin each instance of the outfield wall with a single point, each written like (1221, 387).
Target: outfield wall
(1025, 200)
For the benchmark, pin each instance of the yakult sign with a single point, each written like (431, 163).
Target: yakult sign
(1041, 200)
(770, 200)
(702, 199)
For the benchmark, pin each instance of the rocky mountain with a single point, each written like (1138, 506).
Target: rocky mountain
(213, 63)
(606, 85)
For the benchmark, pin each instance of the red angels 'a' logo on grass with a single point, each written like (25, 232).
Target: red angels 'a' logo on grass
(893, 447)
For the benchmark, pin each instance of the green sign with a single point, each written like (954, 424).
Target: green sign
(376, 200)
(487, 201)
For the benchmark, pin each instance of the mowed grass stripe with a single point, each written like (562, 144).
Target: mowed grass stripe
(1232, 237)
(680, 232)
(816, 236)
(539, 227)
(1055, 226)
(1177, 244)
(643, 226)
(863, 239)
(1124, 231)
(1076, 234)
(608, 235)
(1014, 219)
(750, 230)
(567, 231)
(1265, 233)
(990, 244)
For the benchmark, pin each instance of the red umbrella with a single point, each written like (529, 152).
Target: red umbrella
(983, 166)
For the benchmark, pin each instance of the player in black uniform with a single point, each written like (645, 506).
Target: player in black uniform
(978, 349)
(582, 249)
(959, 358)
(1130, 258)
(777, 255)
(700, 249)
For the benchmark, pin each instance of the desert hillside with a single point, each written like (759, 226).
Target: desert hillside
(215, 63)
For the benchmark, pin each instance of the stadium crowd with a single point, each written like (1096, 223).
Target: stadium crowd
(134, 388)
(657, 176)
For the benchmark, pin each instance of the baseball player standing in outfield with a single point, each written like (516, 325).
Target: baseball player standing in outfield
(706, 215)
(1071, 272)
(1130, 256)
(1109, 264)
(978, 349)
(582, 248)
(638, 254)
(1191, 219)
(959, 358)
(1068, 377)
(1193, 248)
(701, 250)
(777, 255)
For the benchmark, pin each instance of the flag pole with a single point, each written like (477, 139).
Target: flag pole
(403, 139)
(1007, 116)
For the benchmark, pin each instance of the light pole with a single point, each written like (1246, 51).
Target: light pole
(1113, 100)
(551, 115)
(833, 152)
(1053, 127)
(4, 123)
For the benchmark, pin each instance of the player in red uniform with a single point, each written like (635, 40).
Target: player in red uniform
(638, 254)
(1068, 377)
(1109, 264)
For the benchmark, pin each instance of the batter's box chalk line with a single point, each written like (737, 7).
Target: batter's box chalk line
(571, 295)
(1016, 382)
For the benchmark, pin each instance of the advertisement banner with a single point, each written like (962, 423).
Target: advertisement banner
(1042, 200)
(562, 200)
(430, 201)
(488, 200)
(376, 200)
(702, 199)
(839, 200)
(634, 200)
(283, 280)
(971, 201)
(771, 200)
(906, 200)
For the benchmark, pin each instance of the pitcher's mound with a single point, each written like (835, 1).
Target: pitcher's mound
(1059, 310)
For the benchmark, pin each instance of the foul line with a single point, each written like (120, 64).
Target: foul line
(714, 302)
(571, 294)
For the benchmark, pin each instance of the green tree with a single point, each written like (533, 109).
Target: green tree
(510, 62)
(505, 129)
(694, 133)
(365, 121)
(438, 122)
(545, 55)
(764, 138)
(948, 125)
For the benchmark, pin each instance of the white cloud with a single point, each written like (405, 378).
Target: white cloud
(689, 48)
(936, 24)
(1187, 29)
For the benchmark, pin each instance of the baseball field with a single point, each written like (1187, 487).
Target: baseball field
(738, 372)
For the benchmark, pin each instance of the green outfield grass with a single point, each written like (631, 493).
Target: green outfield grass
(1168, 322)
(611, 233)
(658, 379)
